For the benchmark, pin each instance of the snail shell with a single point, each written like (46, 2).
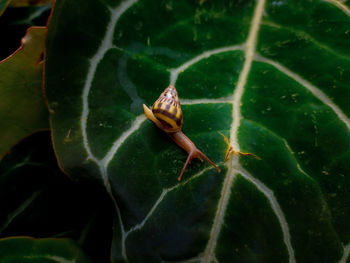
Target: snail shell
(166, 113)
(167, 110)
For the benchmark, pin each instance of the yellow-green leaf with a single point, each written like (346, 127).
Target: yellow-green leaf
(48, 250)
(24, 3)
(22, 107)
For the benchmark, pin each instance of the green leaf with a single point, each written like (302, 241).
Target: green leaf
(22, 108)
(3, 5)
(31, 16)
(273, 76)
(343, 4)
(26, 249)
(23, 3)
(38, 200)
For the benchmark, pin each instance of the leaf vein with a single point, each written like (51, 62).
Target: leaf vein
(206, 101)
(106, 44)
(19, 210)
(308, 37)
(116, 144)
(340, 5)
(275, 207)
(161, 198)
(313, 89)
(346, 254)
(175, 72)
(250, 46)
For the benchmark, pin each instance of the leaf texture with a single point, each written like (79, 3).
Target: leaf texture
(271, 75)
(22, 108)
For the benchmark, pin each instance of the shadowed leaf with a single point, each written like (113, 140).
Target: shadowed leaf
(38, 200)
(3, 5)
(48, 250)
(23, 3)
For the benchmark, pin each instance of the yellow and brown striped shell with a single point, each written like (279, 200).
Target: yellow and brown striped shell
(168, 111)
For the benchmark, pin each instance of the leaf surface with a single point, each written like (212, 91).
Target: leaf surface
(24, 3)
(3, 5)
(48, 250)
(271, 75)
(38, 200)
(22, 108)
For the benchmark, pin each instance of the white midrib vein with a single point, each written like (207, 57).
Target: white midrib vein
(105, 45)
(346, 254)
(237, 95)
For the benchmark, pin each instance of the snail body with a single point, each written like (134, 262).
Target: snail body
(166, 113)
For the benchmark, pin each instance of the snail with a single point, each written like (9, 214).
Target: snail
(166, 113)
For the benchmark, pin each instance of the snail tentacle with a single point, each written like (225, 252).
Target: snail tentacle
(166, 113)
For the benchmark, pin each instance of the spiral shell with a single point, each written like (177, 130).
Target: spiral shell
(168, 111)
